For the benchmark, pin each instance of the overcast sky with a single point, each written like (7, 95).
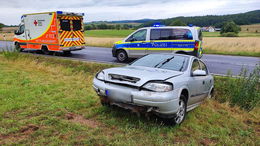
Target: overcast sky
(107, 10)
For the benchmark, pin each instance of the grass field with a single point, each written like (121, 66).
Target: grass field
(244, 46)
(47, 101)
(250, 28)
(241, 34)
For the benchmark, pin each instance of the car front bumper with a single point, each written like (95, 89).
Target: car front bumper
(165, 104)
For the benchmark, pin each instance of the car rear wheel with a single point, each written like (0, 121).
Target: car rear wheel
(121, 56)
(181, 114)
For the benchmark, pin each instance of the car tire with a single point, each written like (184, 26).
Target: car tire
(211, 94)
(181, 114)
(121, 56)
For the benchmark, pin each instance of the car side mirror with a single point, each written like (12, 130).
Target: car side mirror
(132, 40)
(199, 73)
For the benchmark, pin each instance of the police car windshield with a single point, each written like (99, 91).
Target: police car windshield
(163, 61)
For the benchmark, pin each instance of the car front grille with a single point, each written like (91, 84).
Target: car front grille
(124, 78)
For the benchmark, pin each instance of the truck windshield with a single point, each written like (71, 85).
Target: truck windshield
(76, 25)
(65, 24)
(163, 61)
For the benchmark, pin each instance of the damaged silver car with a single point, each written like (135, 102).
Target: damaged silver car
(168, 85)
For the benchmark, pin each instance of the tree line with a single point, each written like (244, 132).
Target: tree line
(251, 17)
(94, 26)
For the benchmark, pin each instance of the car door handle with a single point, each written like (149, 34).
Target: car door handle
(203, 82)
(143, 42)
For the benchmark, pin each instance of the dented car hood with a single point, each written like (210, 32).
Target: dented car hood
(145, 74)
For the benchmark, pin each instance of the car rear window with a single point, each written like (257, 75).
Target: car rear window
(65, 24)
(76, 25)
(171, 34)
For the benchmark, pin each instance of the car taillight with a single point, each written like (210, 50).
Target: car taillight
(196, 47)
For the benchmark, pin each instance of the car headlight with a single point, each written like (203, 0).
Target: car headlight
(100, 76)
(158, 86)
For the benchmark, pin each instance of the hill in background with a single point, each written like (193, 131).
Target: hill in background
(247, 18)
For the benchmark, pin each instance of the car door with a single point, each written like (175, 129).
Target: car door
(159, 41)
(196, 84)
(207, 80)
(136, 44)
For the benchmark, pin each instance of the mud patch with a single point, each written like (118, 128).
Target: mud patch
(83, 121)
(206, 142)
(29, 129)
(23, 133)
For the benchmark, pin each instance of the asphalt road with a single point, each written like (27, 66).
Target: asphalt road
(217, 64)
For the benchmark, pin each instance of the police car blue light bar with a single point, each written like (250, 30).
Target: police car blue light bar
(158, 25)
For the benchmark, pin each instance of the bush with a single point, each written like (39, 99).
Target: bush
(229, 34)
(230, 26)
(243, 91)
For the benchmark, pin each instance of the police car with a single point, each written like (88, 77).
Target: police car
(160, 39)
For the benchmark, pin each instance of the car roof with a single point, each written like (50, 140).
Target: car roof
(165, 27)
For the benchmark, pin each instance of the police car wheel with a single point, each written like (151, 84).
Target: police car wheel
(121, 56)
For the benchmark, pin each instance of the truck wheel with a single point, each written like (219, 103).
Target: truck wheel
(67, 53)
(121, 56)
(181, 114)
(18, 47)
(45, 50)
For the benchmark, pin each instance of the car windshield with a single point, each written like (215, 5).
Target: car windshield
(163, 61)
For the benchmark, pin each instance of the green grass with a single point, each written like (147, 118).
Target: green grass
(108, 33)
(241, 34)
(48, 101)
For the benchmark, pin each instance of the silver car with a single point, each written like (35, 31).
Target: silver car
(167, 85)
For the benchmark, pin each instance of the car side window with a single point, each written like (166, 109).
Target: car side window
(203, 67)
(171, 34)
(195, 65)
(138, 36)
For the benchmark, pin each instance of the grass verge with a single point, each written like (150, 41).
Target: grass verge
(51, 101)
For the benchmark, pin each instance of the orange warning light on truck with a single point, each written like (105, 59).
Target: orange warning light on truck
(50, 32)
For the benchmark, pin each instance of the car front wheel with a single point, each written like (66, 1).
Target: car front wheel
(121, 56)
(181, 114)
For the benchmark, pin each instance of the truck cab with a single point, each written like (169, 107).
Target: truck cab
(149, 40)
